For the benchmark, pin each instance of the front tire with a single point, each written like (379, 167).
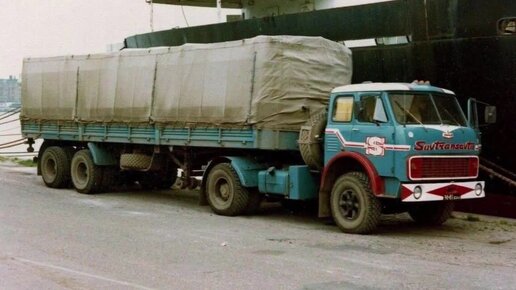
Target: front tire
(354, 207)
(225, 193)
(86, 176)
(55, 167)
(431, 213)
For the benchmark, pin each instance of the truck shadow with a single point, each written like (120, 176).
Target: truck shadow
(296, 214)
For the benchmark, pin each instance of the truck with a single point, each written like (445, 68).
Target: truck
(272, 117)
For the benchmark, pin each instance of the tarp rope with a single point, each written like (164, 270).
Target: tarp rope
(491, 171)
(9, 114)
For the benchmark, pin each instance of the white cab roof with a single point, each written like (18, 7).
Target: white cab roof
(370, 87)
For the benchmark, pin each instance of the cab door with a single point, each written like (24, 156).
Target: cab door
(373, 132)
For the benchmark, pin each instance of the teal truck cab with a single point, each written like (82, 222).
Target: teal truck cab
(397, 145)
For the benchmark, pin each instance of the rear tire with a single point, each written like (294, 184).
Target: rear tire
(354, 207)
(86, 176)
(431, 213)
(225, 193)
(55, 167)
(163, 179)
(167, 178)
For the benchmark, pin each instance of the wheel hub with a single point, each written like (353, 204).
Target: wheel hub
(224, 191)
(51, 168)
(349, 204)
(82, 173)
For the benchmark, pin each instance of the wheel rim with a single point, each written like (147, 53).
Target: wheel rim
(50, 168)
(81, 174)
(349, 204)
(223, 192)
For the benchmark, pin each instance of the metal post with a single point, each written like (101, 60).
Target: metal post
(219, 11)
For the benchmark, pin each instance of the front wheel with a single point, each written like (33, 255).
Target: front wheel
(225, 193)
(354, 207)
(432, 213)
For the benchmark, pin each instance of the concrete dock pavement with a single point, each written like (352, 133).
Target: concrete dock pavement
(60, 239)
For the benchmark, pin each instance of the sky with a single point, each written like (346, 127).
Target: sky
(57, 27)
(35, 28)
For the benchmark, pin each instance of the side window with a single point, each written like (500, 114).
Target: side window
(343, 110)
(366, 108)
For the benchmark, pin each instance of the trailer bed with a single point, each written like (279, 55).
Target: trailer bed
(154, 134)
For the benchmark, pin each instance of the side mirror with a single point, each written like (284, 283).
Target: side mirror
(490, 114)
(473, 116)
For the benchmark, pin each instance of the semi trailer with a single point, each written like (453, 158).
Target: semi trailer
(268, 117)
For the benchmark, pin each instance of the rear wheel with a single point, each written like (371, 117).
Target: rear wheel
(163, 179)
(55, 167)
(354, 207)
(86, 176)
(225, 193)
(431, 213)
(167, 177)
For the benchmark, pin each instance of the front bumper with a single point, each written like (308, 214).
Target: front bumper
(416, 192)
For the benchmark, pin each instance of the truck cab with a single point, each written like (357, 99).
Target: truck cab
(408, 145)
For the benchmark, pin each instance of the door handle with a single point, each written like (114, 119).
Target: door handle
(355, 129)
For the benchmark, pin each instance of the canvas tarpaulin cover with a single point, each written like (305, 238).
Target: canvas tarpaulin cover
(272, 82)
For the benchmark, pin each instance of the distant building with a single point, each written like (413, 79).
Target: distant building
(10, 90)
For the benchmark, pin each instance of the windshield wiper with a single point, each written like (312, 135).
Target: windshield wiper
(409, 113)
(452, 117)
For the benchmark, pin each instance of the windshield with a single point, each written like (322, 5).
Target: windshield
(410, 108)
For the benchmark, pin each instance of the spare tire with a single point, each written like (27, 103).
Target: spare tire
(311, 141)
(135, 161)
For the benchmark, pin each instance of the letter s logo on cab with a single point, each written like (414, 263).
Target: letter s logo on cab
(375, 146)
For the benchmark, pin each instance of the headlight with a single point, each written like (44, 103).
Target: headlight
(478, 189)
(418, 192)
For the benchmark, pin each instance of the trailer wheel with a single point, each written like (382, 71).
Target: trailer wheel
(310, 141)
(225, 193)
(431, 213)
(162, 179)
(148, 180)
(55, 167)
(86, 176)
(354, 207)
(167, 178)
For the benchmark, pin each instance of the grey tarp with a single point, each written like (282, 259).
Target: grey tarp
(270, 82)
